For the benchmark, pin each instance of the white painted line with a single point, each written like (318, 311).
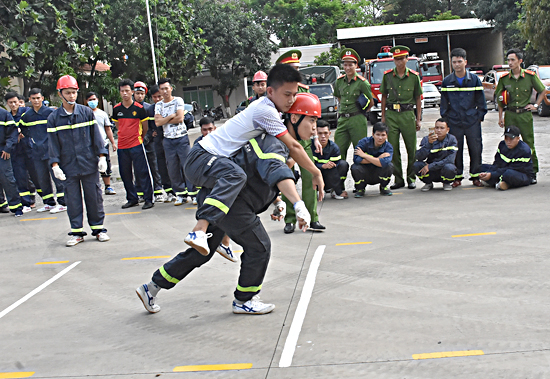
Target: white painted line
(299, 316)
(37, 289)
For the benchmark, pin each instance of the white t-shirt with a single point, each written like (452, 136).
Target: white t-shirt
(102, 120)
(260, 117)
(166, 109)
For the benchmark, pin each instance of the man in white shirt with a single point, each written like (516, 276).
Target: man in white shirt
(169, 115)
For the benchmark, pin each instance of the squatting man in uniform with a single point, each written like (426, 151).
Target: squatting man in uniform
(263, 159)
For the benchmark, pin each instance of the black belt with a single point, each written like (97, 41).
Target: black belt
(517, 109)
(348, 115)
(400, 107)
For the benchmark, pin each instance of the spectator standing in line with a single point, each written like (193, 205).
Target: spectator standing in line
(8, 140)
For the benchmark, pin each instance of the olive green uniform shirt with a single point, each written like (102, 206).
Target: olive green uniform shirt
(348, 92)
(407, 88)
(520, 89)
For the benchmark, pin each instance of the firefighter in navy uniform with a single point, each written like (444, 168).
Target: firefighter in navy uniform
(292, 58)
(8, 140)
(513, 165)
(401, 91)
(352, 121)
(77, 155)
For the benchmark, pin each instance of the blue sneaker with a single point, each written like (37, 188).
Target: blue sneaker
(199, 241)
(110, 191)
(146, 298)
(252, 307)
(226, 252)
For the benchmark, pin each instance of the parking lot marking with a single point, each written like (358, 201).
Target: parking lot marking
(51, 263)
(226, 367)
(121, 213)
(152, 257)
(448, 354)
(191, 208)
(299, 316)
(37, 289)
(353, 243)
(39, 219)
(10, 375)
(474, 234)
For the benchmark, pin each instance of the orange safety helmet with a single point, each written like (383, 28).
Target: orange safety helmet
(67, 81)
(306, 104)
(260, 76)
(140, 85)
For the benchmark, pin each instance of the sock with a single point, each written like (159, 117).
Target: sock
(153, 288)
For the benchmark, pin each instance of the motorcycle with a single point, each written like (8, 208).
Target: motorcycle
(218, 112)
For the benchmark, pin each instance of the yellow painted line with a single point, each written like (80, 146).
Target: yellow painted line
(152, 257)
(353, 243)
(448, 354)
(474, 234)
(38, 219)
(226, 367)
(191, 208)
(121, 213)
(9, 375)
(466, 189)
(51, 263)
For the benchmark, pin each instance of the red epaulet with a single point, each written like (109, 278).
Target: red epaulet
(531, 72)
(118, 104)
(506, 73)
(414, 72)
(303, 86)
(250, 98)
(388, 71)
(341, 76)
(138, 104)
(362, 78)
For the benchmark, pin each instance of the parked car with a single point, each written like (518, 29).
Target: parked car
(544, 74)
(490, 81)
(431, 95)
(241, 107)
(329, 103)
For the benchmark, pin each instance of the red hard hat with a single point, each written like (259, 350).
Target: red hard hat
(66, 81)
(307, 104)
(140, 85)
(260, 76)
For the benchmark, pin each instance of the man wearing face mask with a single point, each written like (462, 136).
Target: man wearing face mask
(104, 125)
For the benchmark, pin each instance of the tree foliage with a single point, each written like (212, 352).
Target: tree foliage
(329, 58)
(536, 26)
(399, 11)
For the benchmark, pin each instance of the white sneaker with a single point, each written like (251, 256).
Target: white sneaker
(503, 186)
(45, 208)
(102, 237)
(170, 198)
(226, 252)
(75, 240)
(252, 307)
(146, 298)
(447, 187)
(160, 198)
(58, 208)
(486, 184)
(199, 241)
(180, 200)
(427, 187)
(27, 209)
(335, 196)
(194, 199)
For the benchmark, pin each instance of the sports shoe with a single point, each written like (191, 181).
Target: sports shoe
(146, 298)
(252, 307)
(26, 209)
(102, 237)
(141, 199)
(199, 241)
(194, 200)
(110, 191)
(75, 240)
(503, 186)
(427, 187)
(476, 182)
(45, 208)
(385, 191)
(160, 198)
(457, 183)
(447, 187)
(18, 213)
(226, 252)
(359, 193)
(180, 200)
(485, 184)
(335, 196)
(170, 198)
(58, 208)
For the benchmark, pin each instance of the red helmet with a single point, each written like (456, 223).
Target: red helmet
(260, 76)
(140, 85)
(307, 104)
(66, 81)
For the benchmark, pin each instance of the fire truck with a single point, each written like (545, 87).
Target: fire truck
(375, 69)
(431, 69)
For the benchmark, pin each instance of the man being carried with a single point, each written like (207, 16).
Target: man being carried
(513, 165)
(372, 161)
(435, 160)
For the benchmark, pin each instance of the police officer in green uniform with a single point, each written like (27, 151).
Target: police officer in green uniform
(401, 91)
(292, 58)
(519, 85)
(352, 124)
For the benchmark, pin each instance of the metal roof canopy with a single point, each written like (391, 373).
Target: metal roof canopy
(429, 27)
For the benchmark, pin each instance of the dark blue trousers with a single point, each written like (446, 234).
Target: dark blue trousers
(134, 161)
(7, 182)
(512, 177)
(23, 168)
(176, 151)
(75, 186)
(45, 176)
(446, 174)
(475, 148)
(364, 174)
(335, 177)
(161, 163)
